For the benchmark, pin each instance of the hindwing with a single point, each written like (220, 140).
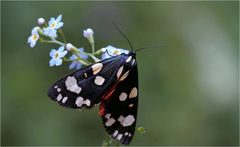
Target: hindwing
(119, 109)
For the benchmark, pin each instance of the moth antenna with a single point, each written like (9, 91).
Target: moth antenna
(150, 47)
(123, 35)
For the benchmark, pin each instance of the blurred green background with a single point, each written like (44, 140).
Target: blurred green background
(188, 90)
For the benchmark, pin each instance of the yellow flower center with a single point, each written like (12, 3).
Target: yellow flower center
(116, 52)
(56, 55)
(53, 25)
(34, 37)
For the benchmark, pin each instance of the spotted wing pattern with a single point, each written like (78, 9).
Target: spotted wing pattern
(114, 84)
(85, 87)
(119, 110)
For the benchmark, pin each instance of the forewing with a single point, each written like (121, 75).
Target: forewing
(119, 111)
(85, 87)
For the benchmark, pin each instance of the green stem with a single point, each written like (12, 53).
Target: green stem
(52, 41)
(58, 42)
(86, 62)
(82, 61)
(93, 57)
(89, 54)
(93, 47)
(63, 36)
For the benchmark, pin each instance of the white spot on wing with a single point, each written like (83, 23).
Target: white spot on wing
(87, 102)
(64, 99)
(99, 80)
(130, 105)
(119, 137)
(129, 59)
(97, 68)
(124, 76)
(123, 96)
(115, 133)
(80, 101)
(121, 118)
(133, 61)
(110, 122)
(59, 97)
(126, 121)
(108, 115)
(71, 84)
(119, 72)
(133, 93)
(126, 133)
(55, 86)
(59, 89)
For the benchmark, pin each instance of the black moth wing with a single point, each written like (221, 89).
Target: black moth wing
(85, 87)
(119, 112)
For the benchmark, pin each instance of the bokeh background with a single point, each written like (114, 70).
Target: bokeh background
(188, 89)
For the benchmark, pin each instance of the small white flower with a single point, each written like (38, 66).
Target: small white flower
(69, 46)
(41, 21)
(50, 32)
(111, 51)
(57, 56)
(32, 40)
(55, 23)
(53, 26)
(88, 33)
(75, 64)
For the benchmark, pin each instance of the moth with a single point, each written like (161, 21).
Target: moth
(112, 84)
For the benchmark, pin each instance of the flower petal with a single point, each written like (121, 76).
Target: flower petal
(72, 65)
(50, 32)
(82, 55)
(73, 57)
(62, 54)
(52, 53)
(60, 49)
(52, 62)
(33, 43)
(81, 49)
(59, 25)
(78, 65)
(53, 33)
(59, 18)
(58, 62)
(51, 21)
(35, 30)
(30, 39)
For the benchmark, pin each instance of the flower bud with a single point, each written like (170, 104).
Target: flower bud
(41, 21)
(88, 33)
(69, 46)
